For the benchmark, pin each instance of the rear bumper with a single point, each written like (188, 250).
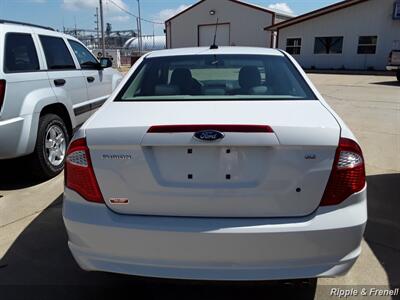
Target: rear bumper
(324, 244)
(10, 137)
(18, 136)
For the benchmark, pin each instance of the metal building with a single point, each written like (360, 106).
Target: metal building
(352, 34)
(240, 24)
(149, 43)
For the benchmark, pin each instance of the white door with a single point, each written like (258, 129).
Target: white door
(99, 82)
(207, 32)
(66, 80)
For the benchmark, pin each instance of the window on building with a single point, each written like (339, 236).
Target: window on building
(396, 12)
(293, 46)
(367, 44)
(57, 54)
(328, 45)
(20, 53)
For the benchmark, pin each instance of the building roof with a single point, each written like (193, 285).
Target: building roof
(315, 14)
(267, 10)
(219, 51)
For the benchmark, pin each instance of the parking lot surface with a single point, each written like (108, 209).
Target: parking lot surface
(33, 241)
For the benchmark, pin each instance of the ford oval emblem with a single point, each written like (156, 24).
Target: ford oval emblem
(209, 135)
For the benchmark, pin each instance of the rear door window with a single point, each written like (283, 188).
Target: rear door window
(57, 54)
(20, 53)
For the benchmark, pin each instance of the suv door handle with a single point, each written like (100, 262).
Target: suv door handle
(59, 82)
(90, 79)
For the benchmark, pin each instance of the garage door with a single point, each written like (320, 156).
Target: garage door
(206, 35)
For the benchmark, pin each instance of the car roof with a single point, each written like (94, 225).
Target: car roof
(219, 51)
(54, 33)
(18, 23)
(8, 26)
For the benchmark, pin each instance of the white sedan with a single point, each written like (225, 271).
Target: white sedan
(216, 164)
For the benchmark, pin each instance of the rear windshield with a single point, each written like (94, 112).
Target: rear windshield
(216, 77)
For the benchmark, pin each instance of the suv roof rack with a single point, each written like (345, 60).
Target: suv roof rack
(24, 24)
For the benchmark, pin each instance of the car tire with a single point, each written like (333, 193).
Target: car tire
(47, 160)
(398, 75)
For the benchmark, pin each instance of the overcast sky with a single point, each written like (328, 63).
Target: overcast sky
(59, 13)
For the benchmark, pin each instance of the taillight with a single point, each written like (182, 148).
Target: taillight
(79, 174)
(2, 92)
(348, 173)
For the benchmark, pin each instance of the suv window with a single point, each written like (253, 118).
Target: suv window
(85, 58)
(20, 53)
(216, 77)
(57, 54)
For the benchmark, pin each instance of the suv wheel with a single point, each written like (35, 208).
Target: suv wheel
(51, 147)
(398, 75)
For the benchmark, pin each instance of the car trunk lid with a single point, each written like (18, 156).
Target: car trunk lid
(280, 172)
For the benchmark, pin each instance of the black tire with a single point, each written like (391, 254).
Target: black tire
(398, 75)
(40, 163)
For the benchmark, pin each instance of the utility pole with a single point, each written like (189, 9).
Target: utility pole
(76, 34)
(63, 23)
(154, 41)
(103, 43)
(140, 30)
(138, 34)
(97, 26)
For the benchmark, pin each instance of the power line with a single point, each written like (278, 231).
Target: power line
(133, 15)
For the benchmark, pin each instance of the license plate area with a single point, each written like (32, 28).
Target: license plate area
(208, 166)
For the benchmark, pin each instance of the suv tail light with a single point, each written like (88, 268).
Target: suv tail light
(2, 92)
(79, 174)
(348, 173)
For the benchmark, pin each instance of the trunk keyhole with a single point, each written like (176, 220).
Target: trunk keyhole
(298, 190)
(190, 151)
(228, 151)
(228, 176)
(190, 176)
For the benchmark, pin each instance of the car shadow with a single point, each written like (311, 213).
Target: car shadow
(15, 174)
(388, 83)
(383, 228)
(39, 265)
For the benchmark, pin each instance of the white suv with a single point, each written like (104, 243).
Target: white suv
(49, 84)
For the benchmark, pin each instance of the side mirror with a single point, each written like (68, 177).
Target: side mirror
(105, 62)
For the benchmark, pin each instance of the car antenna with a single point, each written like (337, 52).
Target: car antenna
(214, 45)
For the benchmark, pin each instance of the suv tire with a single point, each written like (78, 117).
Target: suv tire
(398, 75)
(47, 160)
